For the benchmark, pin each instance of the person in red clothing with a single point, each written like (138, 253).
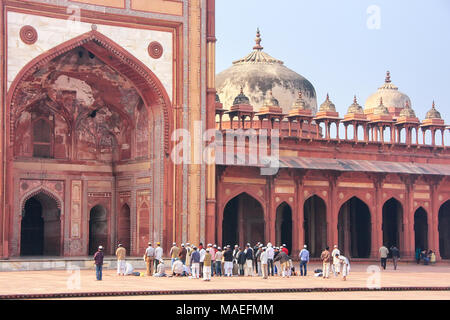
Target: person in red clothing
(285, 249)
(98, 258)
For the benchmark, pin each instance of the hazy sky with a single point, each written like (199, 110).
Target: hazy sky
(343, 49)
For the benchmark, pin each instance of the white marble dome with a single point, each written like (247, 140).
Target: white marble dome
(257, 74)
(392, 98)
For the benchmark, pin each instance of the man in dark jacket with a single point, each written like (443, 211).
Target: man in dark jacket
(283, 258)
(395, 256)
(98, 258)
(249, 261)
(182, 254)
(228, 262)
(240, 255)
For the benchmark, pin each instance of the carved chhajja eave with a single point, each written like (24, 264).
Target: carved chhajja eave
(111, 54)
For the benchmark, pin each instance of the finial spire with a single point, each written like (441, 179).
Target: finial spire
(354, 99)
(388, 77)
(300, 95)
(407, 106)
(258, 41)
(433, 105)
(381, 101)
(328, 97)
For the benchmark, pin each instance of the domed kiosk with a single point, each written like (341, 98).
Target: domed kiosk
(258, 73)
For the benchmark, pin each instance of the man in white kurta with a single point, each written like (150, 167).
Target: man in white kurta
(345, 266)
(336, 262)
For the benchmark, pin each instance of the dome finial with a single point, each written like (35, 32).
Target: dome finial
(354, 99)
(258, 40)
(388, 77)
(433, 105)
(381, 101)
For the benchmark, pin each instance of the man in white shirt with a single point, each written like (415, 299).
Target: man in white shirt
(264, 260)
(158, 254)
(202, 258)
(149, 259)
(383, 256)
(336, 262)
(345, 266)
(161, 269)
(177, 268)
(270, 254)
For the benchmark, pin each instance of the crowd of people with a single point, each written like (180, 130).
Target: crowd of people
(426, 256)
(205, 262)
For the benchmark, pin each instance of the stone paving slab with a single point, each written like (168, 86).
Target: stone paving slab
(59, 281)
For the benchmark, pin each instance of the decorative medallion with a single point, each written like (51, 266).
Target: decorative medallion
(58, 186)
(426, 204)
(401, 196)
(306, 193)
(441, 197)
(324, 193)
(368, 196)
(28, 35)
(24, 186)
(341, 196)
(415, 203)
(155, 50)
(227, 192)
(277, 199)
(260, 193)
(291, 199)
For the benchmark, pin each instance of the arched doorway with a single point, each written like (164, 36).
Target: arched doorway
(40, 227)
(243, 221)
(123, 228)
(283, 226)
(392, 223)
(315, 225)
(444, 230)
(98, 228)
(354, 229)
(420, 229)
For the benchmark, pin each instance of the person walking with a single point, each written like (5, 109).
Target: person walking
(395, 253)
(383, 256)
(195, 263)
(218, 262)
(149, 258)
(304, 259)
(174, 253)
(98, 260)
(158, 254)
(264, 263)
(248, 261)
(228, 262)
(336, 262)
(207, 265)
(326, 257)
(121, 265)
(270, 257)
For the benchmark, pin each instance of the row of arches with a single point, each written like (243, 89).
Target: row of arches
(41, 227)
(243, 221)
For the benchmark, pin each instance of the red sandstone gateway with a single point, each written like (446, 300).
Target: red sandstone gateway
(91, 102)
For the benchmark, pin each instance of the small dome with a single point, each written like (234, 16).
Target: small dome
(270, 100)
(241, 98)
(381, 109)
(355, 107)
(300, 104)
(327, 105)
(258, 73)
(390, 94)
(433, 113)
(407, 112)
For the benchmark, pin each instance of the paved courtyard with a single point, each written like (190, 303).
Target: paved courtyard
(407, 275)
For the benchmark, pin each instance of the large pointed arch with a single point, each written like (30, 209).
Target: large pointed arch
(112, 54)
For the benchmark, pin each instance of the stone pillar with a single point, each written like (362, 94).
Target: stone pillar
(298, 231)
(433, 229)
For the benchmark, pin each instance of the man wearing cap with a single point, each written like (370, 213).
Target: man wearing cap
(258, 259)
(212, 252)
(248, 261)
(177, 268)
(120, 254)
(174, 252)
(228, 262)
(285, 249)
(304, 259)
(207, 265)
(218, 264)
(149, 258)
(336, 262)
(270, 257)
(182, 254)
(188, 257)
(235, 260)
(98, 260)
(161, 269)
(158, 254)
(263, 267)
(195, 263)
(202, 253)
(325, 256)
